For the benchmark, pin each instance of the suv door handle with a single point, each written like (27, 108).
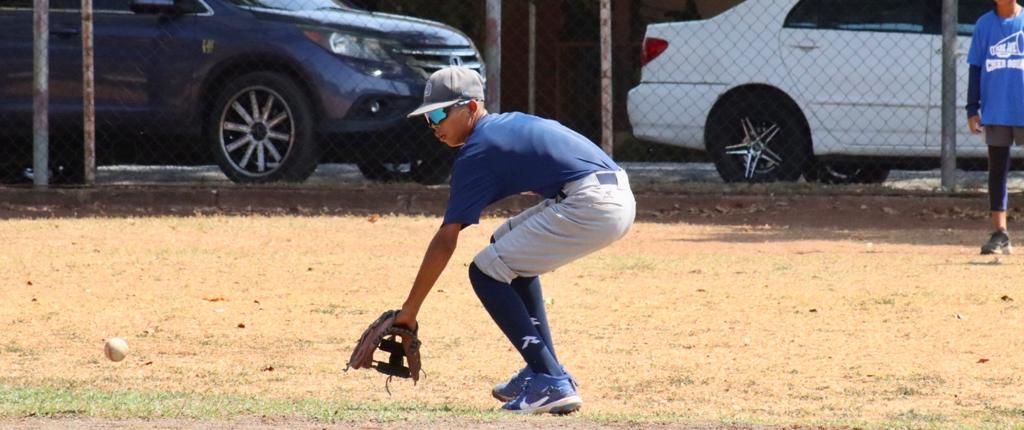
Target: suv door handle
(805, 46)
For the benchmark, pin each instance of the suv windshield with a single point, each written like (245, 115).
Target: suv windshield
(295, 4)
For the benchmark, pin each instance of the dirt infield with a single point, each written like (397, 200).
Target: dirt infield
(809, 311)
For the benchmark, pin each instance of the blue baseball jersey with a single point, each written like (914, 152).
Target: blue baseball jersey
(997, 47)
(512, 153)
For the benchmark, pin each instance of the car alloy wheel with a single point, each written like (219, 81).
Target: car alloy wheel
(257, 131)
(754, 150)
(757, 136)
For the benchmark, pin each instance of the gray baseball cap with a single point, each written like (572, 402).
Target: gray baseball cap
(448, 86)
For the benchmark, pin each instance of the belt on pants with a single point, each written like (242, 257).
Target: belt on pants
(603, 178)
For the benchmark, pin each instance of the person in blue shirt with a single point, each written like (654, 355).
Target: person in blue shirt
(587, 206)
(995, 103)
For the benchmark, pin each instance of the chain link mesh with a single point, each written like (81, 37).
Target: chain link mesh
(828, 91)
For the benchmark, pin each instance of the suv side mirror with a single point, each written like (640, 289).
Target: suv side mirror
(155, 7)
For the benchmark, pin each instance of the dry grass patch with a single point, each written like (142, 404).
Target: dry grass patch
(681, 323)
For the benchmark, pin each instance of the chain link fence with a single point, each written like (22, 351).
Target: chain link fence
(828, 91)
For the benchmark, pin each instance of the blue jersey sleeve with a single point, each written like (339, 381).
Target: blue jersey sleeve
(473, 188)
(976, 54)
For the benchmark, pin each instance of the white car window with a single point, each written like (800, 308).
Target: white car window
(899, 16)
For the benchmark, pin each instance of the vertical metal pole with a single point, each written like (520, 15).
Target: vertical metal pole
(531, 60)
(607, 129)
(492, 55)
(41, 93)
(88, 94)
(949, 24)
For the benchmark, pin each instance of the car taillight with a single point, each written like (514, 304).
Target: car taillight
(653, 47)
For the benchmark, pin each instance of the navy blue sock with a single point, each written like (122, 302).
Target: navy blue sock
(998, 170)
(509, 312)
(529, 291)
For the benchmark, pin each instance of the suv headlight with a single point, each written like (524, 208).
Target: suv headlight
(350, 45)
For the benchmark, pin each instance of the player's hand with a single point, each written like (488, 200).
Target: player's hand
(974, 123)
(406, 319)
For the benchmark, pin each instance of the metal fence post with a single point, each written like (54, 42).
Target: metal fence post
(949, 27)
(607, 126)
(492, 55)
(41, 93)
(531, 60)
(88, 94)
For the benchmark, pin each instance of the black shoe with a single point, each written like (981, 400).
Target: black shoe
(999, 242)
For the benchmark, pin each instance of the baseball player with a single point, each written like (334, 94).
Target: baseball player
(994, 99)
(587, 205)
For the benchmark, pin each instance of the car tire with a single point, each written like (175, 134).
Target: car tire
(751, 138)
(260, 130)
(846, 173)
(432, 168)
(13, 173)
(383, 172)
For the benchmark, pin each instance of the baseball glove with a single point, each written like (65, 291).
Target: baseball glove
(383, 334)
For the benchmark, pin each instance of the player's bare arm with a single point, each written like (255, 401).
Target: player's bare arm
(434, 261)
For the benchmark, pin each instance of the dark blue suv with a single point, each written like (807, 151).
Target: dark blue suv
(263, 87)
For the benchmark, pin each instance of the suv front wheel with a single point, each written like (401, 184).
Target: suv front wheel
(261, 130)
(428, 165)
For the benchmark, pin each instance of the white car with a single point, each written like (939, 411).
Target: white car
(835, 90)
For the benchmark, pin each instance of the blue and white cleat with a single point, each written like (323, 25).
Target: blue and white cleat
(511, 389)
(543, 393)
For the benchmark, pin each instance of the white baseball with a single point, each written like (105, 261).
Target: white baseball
(116, 349)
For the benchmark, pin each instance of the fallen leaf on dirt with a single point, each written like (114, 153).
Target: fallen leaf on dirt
(215, 299)
(1006, 298)
(982, 360)
(373, 218)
